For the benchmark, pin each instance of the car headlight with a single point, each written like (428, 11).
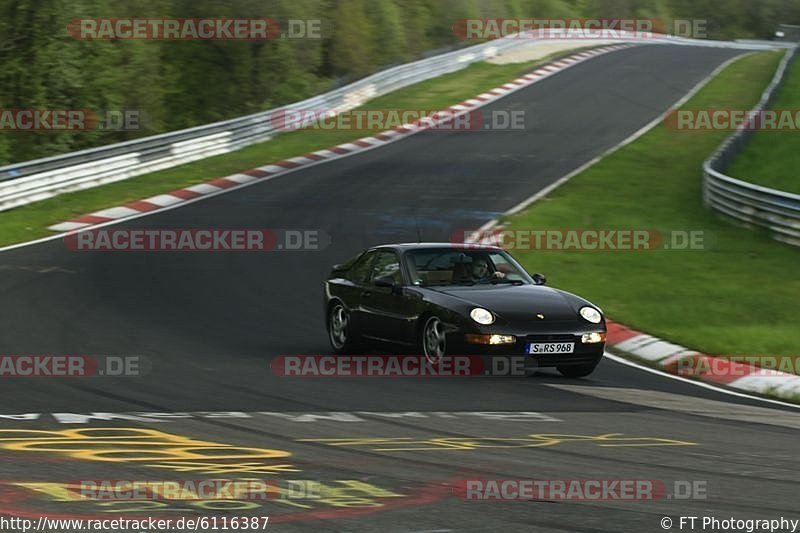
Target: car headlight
(591, 314)
(482, 316)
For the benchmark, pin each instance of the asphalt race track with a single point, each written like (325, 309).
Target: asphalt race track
(210, 324)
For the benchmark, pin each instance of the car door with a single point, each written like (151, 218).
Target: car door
(385, 310)
(351, 291)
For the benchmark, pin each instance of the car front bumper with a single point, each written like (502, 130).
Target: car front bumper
(582, 354)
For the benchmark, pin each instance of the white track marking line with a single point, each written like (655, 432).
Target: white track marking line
(701, 384)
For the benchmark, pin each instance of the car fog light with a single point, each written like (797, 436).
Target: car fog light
(491, 339)
(593, 338)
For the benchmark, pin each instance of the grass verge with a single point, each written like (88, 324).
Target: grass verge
(31, 221)
(736, 296)
(772, 157)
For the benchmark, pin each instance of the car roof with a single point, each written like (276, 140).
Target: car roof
(406, 246)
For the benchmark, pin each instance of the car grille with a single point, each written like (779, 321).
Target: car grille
(555, 337)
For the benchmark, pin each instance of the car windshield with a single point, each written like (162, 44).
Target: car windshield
(459, 266)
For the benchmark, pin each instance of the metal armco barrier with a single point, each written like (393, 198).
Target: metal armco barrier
(32, 181)
(745, 202)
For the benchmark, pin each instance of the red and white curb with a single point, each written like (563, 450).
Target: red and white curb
(682, 361)
(248, 177)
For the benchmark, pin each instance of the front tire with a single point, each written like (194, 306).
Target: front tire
(433, 340)
(577, 371)
(340, 332)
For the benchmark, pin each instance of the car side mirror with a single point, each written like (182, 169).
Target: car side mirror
(539, 279)
(387, 282)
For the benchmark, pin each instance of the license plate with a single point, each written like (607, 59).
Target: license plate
(551, 347)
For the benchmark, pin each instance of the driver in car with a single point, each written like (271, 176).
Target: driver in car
(481, 270)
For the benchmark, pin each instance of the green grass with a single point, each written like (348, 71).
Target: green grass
(31, 221)
(772, 157)
(737, 296)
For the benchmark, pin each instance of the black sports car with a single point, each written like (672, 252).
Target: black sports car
(445, 299)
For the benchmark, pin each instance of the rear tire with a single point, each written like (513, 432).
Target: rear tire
(340, 333)
(577, 371)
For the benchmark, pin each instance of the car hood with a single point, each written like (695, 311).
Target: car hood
(516, 302)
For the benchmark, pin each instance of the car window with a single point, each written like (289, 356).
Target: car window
(386, 264)
(502, 264)
(462, 266)
(359, 272)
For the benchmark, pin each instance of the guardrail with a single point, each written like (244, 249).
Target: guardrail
(32, 181)
(752, 204)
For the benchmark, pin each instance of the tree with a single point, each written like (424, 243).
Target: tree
(348, 53)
